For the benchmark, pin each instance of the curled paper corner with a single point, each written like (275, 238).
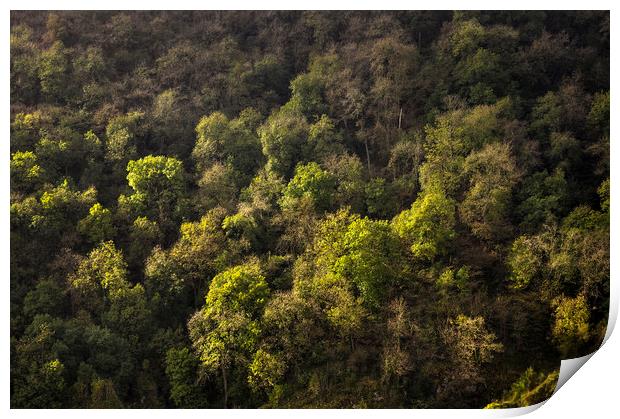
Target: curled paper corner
(569, 367)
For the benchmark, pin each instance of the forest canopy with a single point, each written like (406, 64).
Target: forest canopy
(306, 209)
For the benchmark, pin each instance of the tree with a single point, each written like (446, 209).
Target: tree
(45, 388)
(292, 327)
(223, 340)
(129, 313)
(220, 140)
(453, 136)
(598, 118)
(48, 297)
(93, 148)
(396, 358)
(348, 171)
(323, 138)
(361, 251)
(380, 200)
(170, 122)
(284, 140)
(404, 165)
(26, 174)
(97, 226)
(61, 208)
(224, 332)
(307, 96)
(181, 368)
(571, 328)
(479, 52)
(428, 227)
(526, 261)
(203, 250)
(392, 66)
(218, 188)
(98, 279)
(265, 370)
(530, 388)
(543, 199)
(492, 175)
(240, 288)
(313, 182)
(158, 184)
(103, 395)
(89, 67)
(469, 346)
(54, 72)
(26, 129)
(121, 133)
(144, 235)
(25, 57)
(37, 372)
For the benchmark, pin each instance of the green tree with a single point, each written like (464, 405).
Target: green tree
(121, 133)
(218, 187)
(492, 175)
(97, 226)
(307, 95)
(428, 227)
(54, 72)
(313, 182)
(61, 208)
(89, 66)
(543, 199)
(362, 251)
(181, 368)
(240, 288)
(265, 370)
(26, 174)
(99, 277)
(284, 140)
(530, 388)
(48, 297)
(25, 58)
(526, 260)
(224, 340)
(224, 332)
(380, 200)
(202, 251)
(453, 136)
(323, 138)
(158, 184)
(103, 395)
(228, 141)
(571, 328)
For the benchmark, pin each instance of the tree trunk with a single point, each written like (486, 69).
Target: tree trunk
(367, 156)
(195, 292)
(225, 387)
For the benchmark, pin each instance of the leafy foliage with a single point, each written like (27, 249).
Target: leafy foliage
(306, 209)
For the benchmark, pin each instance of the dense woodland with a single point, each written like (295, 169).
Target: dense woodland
(306, 209)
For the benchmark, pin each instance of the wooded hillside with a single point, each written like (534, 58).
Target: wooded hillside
(306, 209)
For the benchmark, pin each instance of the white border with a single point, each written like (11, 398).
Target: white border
(593, 392)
